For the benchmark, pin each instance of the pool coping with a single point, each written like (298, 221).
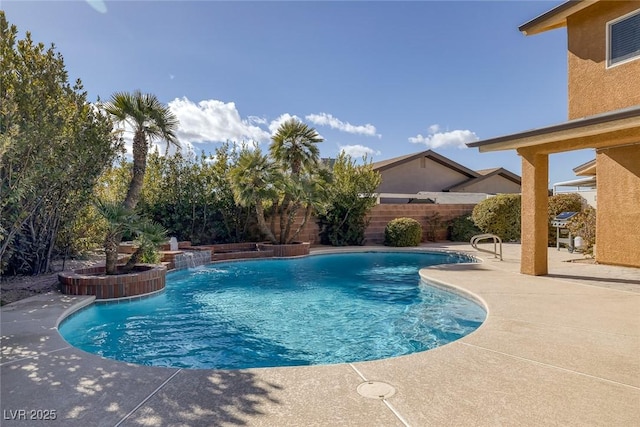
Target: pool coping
(552, 350)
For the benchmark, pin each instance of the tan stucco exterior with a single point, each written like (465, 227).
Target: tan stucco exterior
(604, 114)
(421, 174)
(428, 171)
(492, 185)
(534, 217)
(618, 214)
(593, 87)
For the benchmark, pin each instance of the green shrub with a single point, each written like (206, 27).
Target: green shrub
(584, 225)
(462, 229)
(499, 215)
(403, 232)
(568, 202)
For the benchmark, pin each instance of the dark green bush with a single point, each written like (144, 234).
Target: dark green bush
(462, 229)
(568, 202)
(403, 232)
(499, 215)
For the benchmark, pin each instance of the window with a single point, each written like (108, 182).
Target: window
(623, 39)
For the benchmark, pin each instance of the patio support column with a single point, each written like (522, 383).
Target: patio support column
(534, 216)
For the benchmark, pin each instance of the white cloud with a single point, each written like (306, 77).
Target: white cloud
(324, 119)
(357, 151)
(213, 121)
(437, 139)
(275, 124)
(255, 120)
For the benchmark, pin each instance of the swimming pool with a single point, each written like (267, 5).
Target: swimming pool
(320, 309)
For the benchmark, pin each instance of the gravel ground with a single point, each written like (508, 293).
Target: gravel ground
(14, 288)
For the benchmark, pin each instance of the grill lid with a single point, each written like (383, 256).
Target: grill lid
(562, 218)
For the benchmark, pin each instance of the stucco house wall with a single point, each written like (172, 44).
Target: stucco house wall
(593, 88)
(618, 213)
(492, 184)
(411, 177)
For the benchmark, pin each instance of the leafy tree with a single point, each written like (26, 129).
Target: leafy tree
(53, 147)
(235, 220)
(192, 196)
(342, 216)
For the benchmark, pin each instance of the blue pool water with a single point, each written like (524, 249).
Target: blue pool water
(319, 309)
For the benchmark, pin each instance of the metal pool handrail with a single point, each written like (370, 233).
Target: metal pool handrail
(496, 240)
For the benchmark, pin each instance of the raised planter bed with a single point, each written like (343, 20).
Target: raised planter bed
(145, 279)
(241, 255)
(288, 250)
(227, 251)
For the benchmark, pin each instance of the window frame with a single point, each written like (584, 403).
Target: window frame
(608, 27)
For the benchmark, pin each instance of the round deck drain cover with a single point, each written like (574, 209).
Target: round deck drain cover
(376, 390)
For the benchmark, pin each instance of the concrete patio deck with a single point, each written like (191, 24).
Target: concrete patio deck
(563, 349)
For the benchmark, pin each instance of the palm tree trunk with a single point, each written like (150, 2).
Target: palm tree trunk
(284, 213)
(111, 252)
(291, 217)
(262, 223)
(307, 215)
(140, 149)
(133, 260)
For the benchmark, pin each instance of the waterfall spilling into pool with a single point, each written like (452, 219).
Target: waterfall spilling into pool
(192, 259)
(320, 309)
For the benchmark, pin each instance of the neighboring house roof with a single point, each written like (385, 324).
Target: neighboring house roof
(583, 182)
(432, 155)
(555, 18)
(485, 174)
(586, 169)
(623, 123)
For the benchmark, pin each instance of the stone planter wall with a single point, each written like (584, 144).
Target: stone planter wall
(93, 281)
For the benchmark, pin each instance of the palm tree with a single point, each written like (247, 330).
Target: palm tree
(254, 179)
(150, 120)
(294, 146)
(118, 221)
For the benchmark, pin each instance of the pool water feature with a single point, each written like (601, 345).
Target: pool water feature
(320, 309)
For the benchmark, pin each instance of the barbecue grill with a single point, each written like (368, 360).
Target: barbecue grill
(560, 223)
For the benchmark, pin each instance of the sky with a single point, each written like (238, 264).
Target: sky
(381, 78)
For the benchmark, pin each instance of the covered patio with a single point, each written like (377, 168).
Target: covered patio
(615, 137)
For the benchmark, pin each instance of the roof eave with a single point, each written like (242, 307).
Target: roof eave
(554, 18)
(628, 118)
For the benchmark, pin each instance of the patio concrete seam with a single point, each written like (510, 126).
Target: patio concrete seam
(388, 404)
(358, 372)
(552, 366)
(396, 413)
(153, 393)
(34, 357)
